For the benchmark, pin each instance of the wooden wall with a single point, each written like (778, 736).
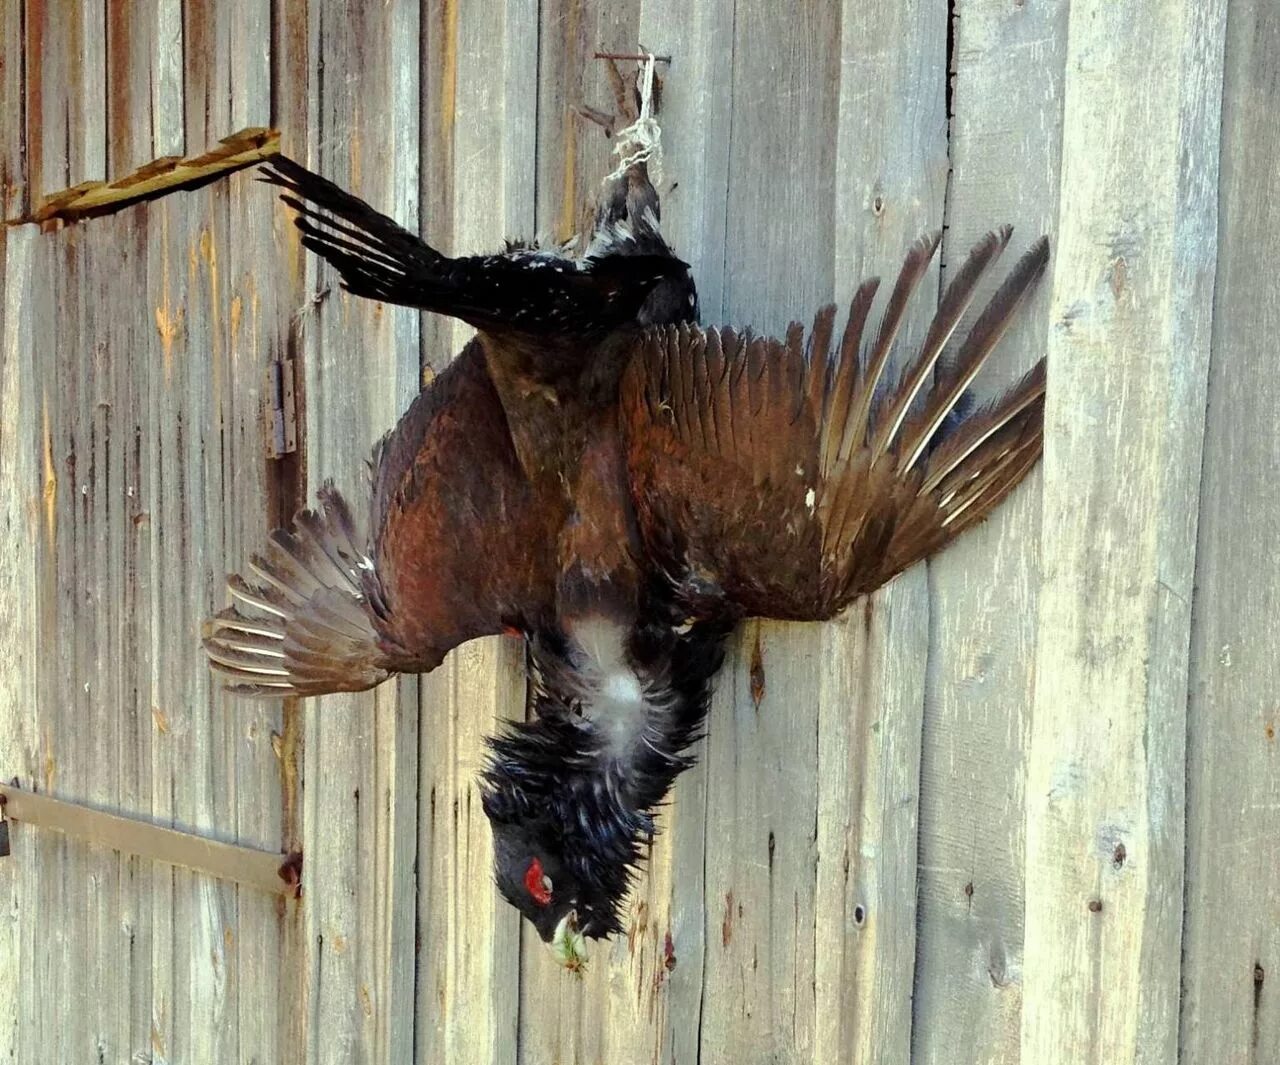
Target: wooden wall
(1021, 806)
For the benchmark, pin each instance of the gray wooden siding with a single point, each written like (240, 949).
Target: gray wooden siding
(1022, 806)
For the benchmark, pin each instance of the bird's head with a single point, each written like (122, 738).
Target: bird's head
(564, 850)
(570, 793)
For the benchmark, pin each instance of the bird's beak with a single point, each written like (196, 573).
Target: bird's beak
(568, 944)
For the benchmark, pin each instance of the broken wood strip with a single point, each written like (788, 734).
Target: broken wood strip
(93, 198)
(269, 871)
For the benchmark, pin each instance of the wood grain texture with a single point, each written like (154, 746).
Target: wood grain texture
(360, 761)
(1004, 147)
(804, 148)
(1231, 948)
(761, 753)
(890, 184)
(13, 119)
(20, 518)
(479, 125)
(572, 155)
(259, 302)
(1131, 301)
(66, 83)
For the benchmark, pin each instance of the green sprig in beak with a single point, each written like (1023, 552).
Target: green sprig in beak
(569, 945)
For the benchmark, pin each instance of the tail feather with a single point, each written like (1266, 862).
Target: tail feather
(306, 626)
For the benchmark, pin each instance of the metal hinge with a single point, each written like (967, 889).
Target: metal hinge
(283, 435)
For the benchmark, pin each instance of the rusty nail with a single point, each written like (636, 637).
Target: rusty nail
(632, 56)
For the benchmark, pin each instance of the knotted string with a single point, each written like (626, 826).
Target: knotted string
(641, 142)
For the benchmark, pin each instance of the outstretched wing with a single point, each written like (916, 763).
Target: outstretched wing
(522, 291)
(772, 478)
(450, 545)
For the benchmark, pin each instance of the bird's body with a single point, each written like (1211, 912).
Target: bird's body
(599, 473)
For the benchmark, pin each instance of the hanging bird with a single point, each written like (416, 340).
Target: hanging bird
(623, 487)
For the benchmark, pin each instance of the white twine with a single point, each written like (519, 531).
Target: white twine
(641, 142)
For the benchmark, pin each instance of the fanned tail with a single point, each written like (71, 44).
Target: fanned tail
(305, 624)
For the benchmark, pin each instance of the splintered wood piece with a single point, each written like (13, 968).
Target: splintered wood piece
(156, 178)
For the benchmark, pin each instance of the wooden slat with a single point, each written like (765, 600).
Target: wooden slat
(168, 46)
(1132, 286)
(890, 183)
(572, 155)
(1231, 946)
(194, 1008)
(477, 165)
(361, 369)
(13, 120)
(66, 93)
(100, 515)
(63, 866)
(250, 866)
(259, 301)
(20, 518)
(131, 739)
(655, 1008)
(641, 999)
(130, 29)
(761, 754)
(291, 289)
(1007, 99)
(629, 1006)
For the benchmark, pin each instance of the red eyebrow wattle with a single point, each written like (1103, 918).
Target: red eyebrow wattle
(533, 883)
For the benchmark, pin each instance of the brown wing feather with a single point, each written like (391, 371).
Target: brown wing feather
(784, 486)
(448, 554)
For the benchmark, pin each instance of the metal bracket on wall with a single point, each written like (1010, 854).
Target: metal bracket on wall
(284, 410)
(273, 872)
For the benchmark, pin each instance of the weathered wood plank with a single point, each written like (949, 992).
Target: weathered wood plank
(63, 863)
(479, 122)
(20, 519)
(656, 1012)
(360, 763)
(168, 134)
(258, 300)
(194, 1007)
(66, 93)
(129, 30)
(1004, 147)
(891, 176)
(572, 155)
(761, 753)
(293, 288)
(13, 118)
(1231, 949)
(1131, 304)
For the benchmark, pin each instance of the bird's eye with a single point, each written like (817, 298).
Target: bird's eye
(537, 883)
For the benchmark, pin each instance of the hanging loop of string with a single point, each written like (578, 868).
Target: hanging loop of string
(641, 142)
